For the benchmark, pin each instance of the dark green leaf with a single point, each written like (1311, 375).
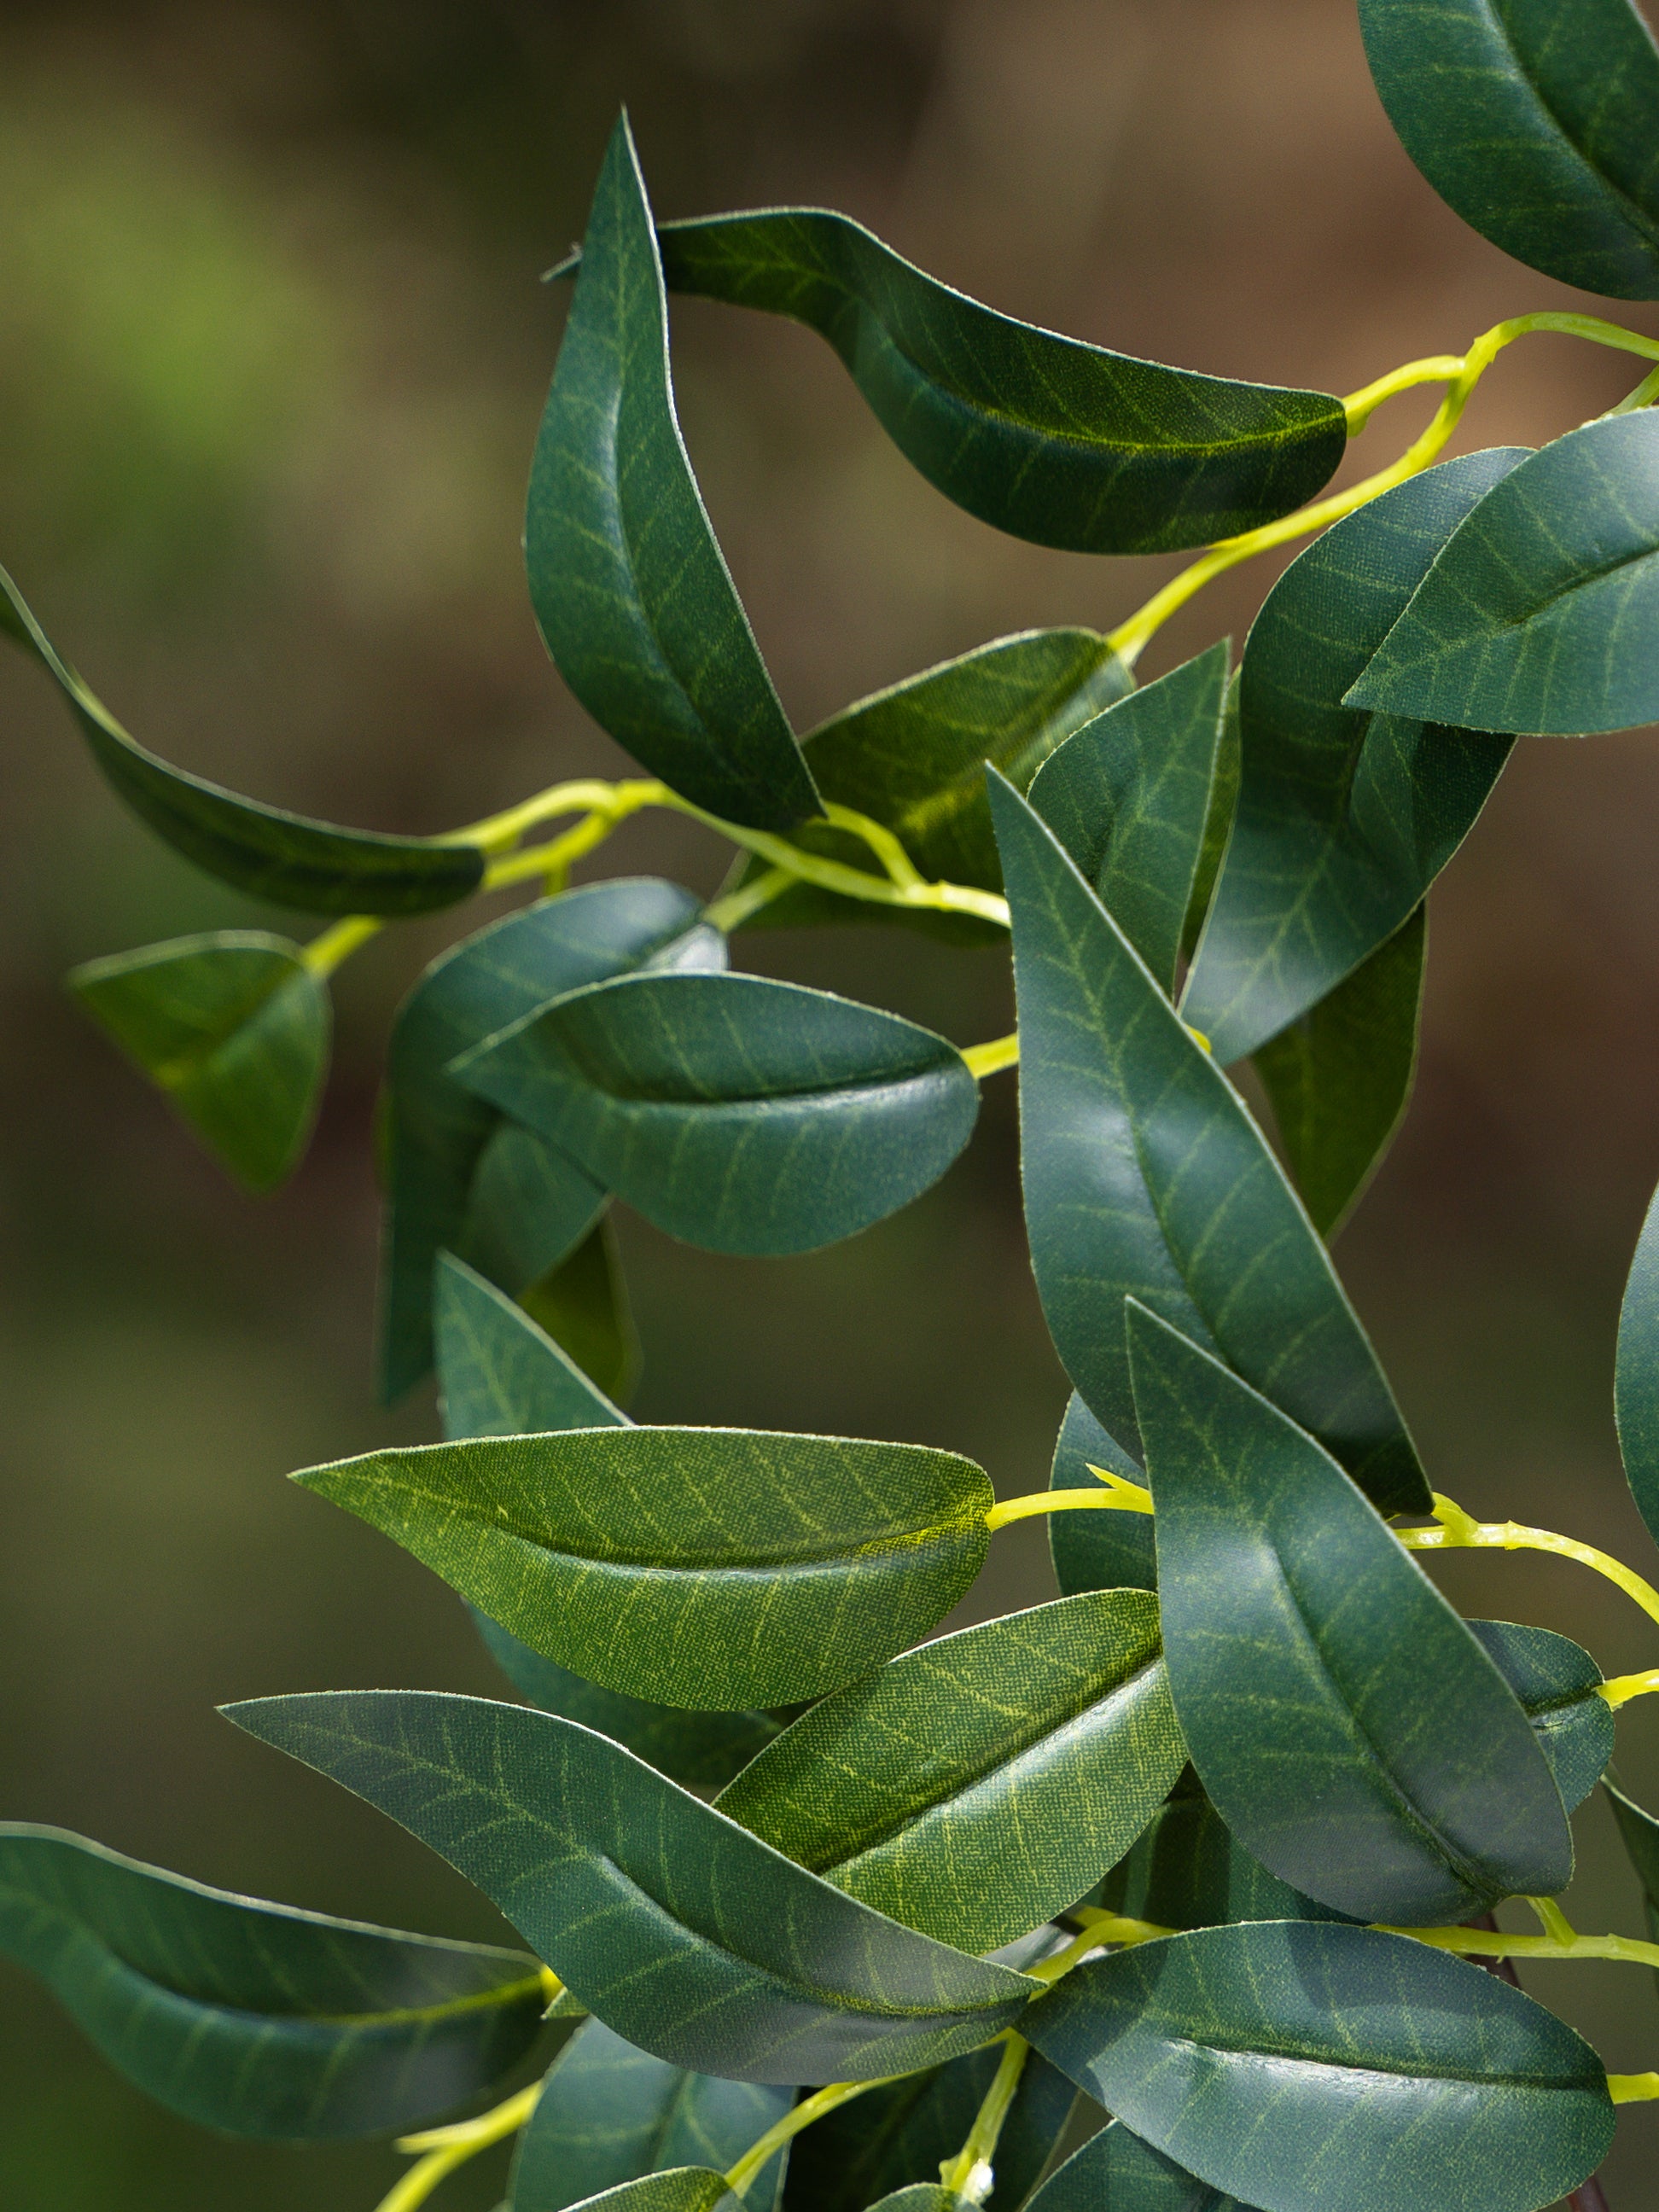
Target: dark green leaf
(1638, 1832)
(923, 2196)
(974, 1788)
(1146, 1176)
(716, 1567)
(1343, 817)
(263, 850)
(629, 587)
(1218, 822)
(1051, 440)
(1189, 1870)
(740, 1114)
(677, 1927)
(583, 1304)
(1535, 119)
(1115, 2171)
(1636, 1386)
(1532, 616)
(235, 1028)
(254, 2018)
(1350, 1728)
(1557, 1682)
(680, 2189)
(1097, 1550)
(1129, 798)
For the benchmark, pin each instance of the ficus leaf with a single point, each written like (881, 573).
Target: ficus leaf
(680, 2189)
(677, 1927)
(257, 2018)
(234, 1027)
(1635, 1384)
(1218, 821)
(1099, 1550)
(1115, 2171)
(1187, 1870)
(583, 1304)
(630, 590)
(1639, 1831)
(1557, 1683)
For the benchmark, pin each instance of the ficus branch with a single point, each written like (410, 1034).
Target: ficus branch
(970, 2173)
(445, 2148)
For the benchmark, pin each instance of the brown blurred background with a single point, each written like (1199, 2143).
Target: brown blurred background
(272, 351)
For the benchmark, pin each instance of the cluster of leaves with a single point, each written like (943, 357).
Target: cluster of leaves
(1161, 1841)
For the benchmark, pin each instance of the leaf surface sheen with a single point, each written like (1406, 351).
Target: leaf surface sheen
(1189, 1870)
(677, 2189)
(1556, 1683)
(1115, 2171)
(1636, 1385)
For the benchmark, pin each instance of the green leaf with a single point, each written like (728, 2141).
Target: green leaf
(1635, 1384)
(1115, 2171)
(1189, 1870)
(235, 1028)
(1097, 1550)
(583, 1304)
(272, 854)
(1341, 1076)
(1526, 621)
(1535, 120)
(974, 1788)
(1145, 1176)
(680, 2189)
(1557, 1683)
(1051, 440)
(1308, 2067)
(923, 2196)
(706, 1567)
(1343, 817)
(679, 1930)
(257, 2018)
(1350, 1728)
(1128, 797)
(740, 1114)
(630, 590)
(1638, 1832)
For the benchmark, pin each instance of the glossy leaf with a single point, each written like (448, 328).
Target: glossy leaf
(976, 1787)
(679, 1930)
(263, 850)
(1535, 120)
(583, 1304)
(1189, 1870)
(1557, 1683)
(1115, 2171)
(1097, 1550)
(1636, 1385)
(1351, 1730)
(1051, 440)
(740, 1114)
(680, 2189)
(257, 2018)
(234, 1029)
(630, 589)
(1145, 1176)
(1218, 822)
(1129, 798)
(718, 1567)
(1307, 2067)
(1343, 817)
(1532, 616)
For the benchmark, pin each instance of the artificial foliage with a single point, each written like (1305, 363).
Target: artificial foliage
(825, 1911)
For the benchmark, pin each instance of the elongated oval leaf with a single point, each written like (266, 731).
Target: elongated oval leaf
(1350, 1728)
(1639, 1831)
(1115, 2171)
(583, 1304)
(1189, 1870)
(1146, 1176)
(1557, 1682)
(974, 1788)
(1307, 2067)
(718, 1567)
(677, 1927)
(740, 1114)
(1535, 120)
(258, 2019)
(1343, 817)
(263, 850)
(234, 1029)
(629, 587)
(1100, 1550)
(680, 2189)
(1635, 1384)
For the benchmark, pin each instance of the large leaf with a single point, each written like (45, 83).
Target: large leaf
(677, 1927)
(1343, 817)
(1535, 120)
(974, 1788)
(718, 1567)
(1146, 1176)
(234, 1029)
(740, 1114)
(1531, 617)
(1051, 440)
(1097, 1550)
(1189, 1870)
(1636, 1385)
(1129, 798)
(1559, 1685)
(1350, 1728)
(258, 2019)
(263, 850)
(629, 587)
(1115, 2171)
(1308, 2067)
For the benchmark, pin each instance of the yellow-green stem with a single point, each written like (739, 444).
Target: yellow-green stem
(798, 2116)
(970, 2173)
(445, 2148)
(1457, 1530)
(323, 954)
(991, 1058)
(1632, 2088)
(1118, 1496)
(1480, 1943)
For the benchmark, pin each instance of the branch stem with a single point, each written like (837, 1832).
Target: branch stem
(1457, 1530)
(445, 2148)
(971, 2175)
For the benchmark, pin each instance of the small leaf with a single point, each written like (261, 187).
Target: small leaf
(629, 587)
(742, 1115)
(1189, 1870)
(1636, 1383)
(1128, 797)
(1308, 2067)
(1557, 1683)
(1115, 2171)
(1146, 1177)
(235, 1028)
(1051, 440)
(681, 2189)
(263, 850)
(256, 2018)
(706, 1567)
(1218, 822)
(1638, 1832)
(679, 1930)
(1103, 1549)
(1350, 1728)
(1535, 120)
(974, 1788)
(583, 1304)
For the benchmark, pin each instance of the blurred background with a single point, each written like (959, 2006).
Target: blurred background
(272, 351)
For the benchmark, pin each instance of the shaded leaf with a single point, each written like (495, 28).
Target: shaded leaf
(1556, 1681)
(1639, 1831)
(583, 1304)
(1115, 2171)
(1097, 1550)
(1218, 822)
(1189, 1870)
(1635, 1384)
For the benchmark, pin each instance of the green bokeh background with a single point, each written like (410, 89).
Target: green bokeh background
(272, 354)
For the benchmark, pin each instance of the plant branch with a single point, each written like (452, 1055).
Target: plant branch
(1460, 1531)
(445, 2148)
(970, 2173)
(800, 2115)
